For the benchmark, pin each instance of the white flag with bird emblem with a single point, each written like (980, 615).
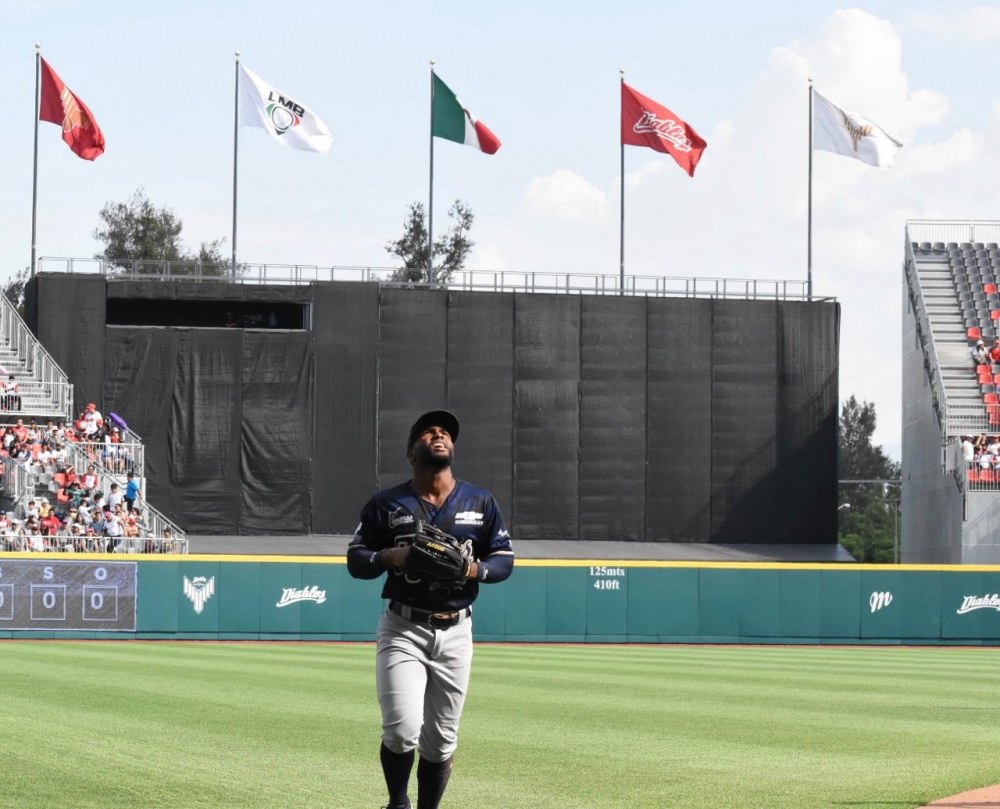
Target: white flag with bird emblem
(287, 119)
(840, 131)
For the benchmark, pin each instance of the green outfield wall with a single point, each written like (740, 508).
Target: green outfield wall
(314, 598)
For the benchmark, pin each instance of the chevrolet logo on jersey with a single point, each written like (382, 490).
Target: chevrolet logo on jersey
(468, 518)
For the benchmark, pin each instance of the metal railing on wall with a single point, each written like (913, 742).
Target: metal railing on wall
(78, 454)
(21, 484)
(89, 543)
(18, 483)
(39, 367)
(958, 231)
(969, 420)
(501, 281)
(925, 335)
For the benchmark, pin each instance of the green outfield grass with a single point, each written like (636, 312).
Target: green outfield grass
(296, 725)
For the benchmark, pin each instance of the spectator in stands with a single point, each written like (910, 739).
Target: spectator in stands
(168, 545)
(10, 395)
(92, 421)
(993, 445)
(20, 431)
(114, 496)
(114, 530)
(75, 538)
(89, 480)
(44, 455)
(968, 450)
(50, 524)
(99, 521)
(131, 527)
(995, 352)
(132, 491)
(980, 356)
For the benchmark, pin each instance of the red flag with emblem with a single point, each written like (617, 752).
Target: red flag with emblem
(647, 123)
(59, 105)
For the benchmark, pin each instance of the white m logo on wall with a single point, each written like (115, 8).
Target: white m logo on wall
(879, 600)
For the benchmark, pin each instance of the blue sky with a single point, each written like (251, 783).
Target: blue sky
(544, 77)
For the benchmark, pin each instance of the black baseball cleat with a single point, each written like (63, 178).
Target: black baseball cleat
(398, 806)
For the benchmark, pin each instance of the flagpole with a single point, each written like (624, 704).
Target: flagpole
(34, 170)
(430, 199)
(236, 150)
(621, 235)
(809, 239)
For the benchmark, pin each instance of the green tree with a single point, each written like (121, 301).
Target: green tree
(450, 250)
(14, 289)
(137, 231)
(868, 525)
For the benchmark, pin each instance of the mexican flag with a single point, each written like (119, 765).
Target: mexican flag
(451, 120)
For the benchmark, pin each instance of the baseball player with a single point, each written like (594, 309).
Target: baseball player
(438, 538)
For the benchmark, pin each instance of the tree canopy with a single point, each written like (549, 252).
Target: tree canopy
(14, 289)
(450, 250)
(137, 230)
(868, 511)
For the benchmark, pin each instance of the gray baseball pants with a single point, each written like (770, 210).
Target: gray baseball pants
(422, 675)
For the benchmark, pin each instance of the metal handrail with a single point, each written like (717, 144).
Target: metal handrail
(105, 477)
(67, 543)
(499, 281)
(925, 334)
(39, 365)
(127, 456)
(958, 231)
(968, 420)
(18, 483)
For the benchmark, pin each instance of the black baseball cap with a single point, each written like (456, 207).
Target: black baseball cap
(434, 418)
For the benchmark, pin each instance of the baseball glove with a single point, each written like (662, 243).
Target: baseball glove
(436, 556)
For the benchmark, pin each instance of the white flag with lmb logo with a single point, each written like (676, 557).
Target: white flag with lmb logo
(285, 117)
(842, 132)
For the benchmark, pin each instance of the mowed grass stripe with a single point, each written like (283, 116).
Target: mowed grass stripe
(270, 725)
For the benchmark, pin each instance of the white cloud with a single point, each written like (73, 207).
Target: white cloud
(979, 24)
(963, 146)
(744, 214)
(565, 195)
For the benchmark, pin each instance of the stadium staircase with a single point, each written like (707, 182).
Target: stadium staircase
(947, 285)
(46, 393)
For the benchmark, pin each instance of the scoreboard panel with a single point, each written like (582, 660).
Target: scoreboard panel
(67, 595)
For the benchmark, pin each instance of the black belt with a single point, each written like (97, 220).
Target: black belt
(437, 620)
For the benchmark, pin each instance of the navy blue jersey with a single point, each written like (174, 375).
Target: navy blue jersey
(470, 514)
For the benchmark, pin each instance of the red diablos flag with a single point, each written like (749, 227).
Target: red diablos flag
(646, 123)
(59, 105)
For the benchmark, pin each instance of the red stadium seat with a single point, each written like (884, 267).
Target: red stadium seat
(990, 398)
(993, 411)
(990, 289)
(995, 314)
(987, 476)
(985, 379)
(983, 369)
(974, 333)
(973, 475)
